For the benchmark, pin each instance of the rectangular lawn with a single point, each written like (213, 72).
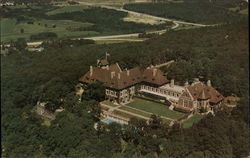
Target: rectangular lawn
(155, 108)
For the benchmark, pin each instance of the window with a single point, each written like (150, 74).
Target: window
(107, 91)
(185, 103)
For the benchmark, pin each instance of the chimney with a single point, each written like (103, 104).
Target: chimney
(128, 72)
(107, 67)
(154, 72)
(196, 80)
(119, 76)
(112, 74)
(209, 83)
(186, 83)
(91, 70)
(172, 83)
(97, 62)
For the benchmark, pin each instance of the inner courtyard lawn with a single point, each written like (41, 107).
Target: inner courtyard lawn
(192, 120)
(155, 108)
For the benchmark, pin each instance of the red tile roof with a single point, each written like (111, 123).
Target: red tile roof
(202, 91)
(113, 77)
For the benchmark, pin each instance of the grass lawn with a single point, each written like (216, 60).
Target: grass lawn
(11, 31)
(192, 120)
(166, 121)
(108, 103)
(7, 26)
(135, 111)
(155, 108)
(66, 9)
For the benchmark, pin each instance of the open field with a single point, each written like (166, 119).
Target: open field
(192, 120)
(68, 21)
(67, 9)
(7, 26)
(155, 108)
(11, 31)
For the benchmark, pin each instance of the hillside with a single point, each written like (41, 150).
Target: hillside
(204, 11)
(217, 53)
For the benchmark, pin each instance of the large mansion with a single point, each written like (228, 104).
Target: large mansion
(122, 85)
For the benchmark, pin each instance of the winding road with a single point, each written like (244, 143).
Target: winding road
(127, 37)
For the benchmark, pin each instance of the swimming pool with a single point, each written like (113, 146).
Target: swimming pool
(108, 121)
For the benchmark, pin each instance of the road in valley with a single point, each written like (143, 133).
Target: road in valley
(127, 37)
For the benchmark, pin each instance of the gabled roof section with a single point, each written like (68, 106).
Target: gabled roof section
(202, 91)
(154, 76)
(115, 68)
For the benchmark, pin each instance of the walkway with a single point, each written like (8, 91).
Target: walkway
(165, 64)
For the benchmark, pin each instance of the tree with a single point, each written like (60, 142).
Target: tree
(54, 92)
(22, 30)
(20, 44)
(95, 91)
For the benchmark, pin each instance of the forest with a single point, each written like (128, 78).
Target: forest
(218, 53)
(192, 10)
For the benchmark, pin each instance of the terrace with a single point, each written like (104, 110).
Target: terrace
(141, 109)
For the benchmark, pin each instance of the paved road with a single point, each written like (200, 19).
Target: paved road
(127, 37)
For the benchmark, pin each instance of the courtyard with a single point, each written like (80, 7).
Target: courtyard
(155, 108)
